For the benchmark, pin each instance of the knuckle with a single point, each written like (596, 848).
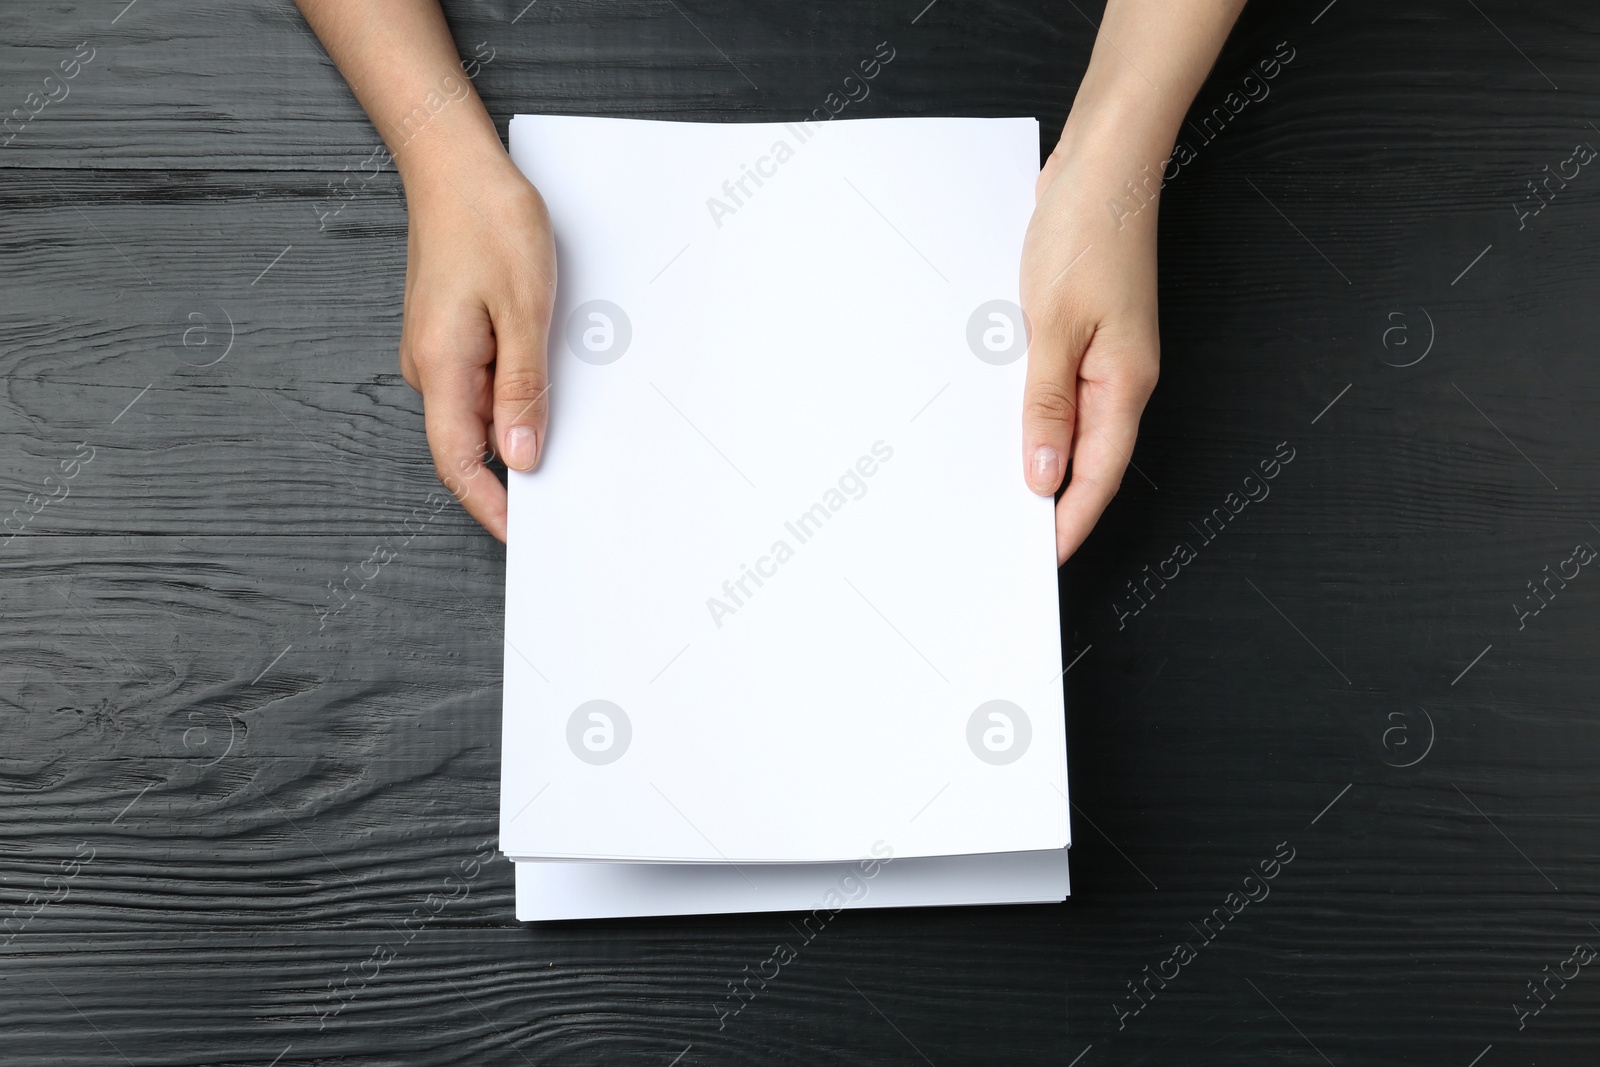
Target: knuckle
(1058, 305)
(526, 386)
(430, 344)
(1105, 484)
(1048, 402)
(522, 201)
(408, 370)
(1143, 377)
(523, 309)
(523, 215)
(452, 483)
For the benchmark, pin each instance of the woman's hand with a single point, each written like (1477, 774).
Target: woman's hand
(480, 262)
(480, 273)
(1089, 295)
(480, 281)
(1089, 260)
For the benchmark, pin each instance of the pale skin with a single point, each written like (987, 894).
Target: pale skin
(481, 270)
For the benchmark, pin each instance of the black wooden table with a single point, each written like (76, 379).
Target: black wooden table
(227, 824)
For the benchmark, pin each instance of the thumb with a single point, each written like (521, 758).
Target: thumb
(521, 385)
(1050, 399)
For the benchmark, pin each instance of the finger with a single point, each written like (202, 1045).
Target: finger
(455, 408)
(1049, 399)
(521, 381)
(1106, 429)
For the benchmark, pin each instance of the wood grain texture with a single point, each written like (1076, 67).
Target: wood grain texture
(275, 801)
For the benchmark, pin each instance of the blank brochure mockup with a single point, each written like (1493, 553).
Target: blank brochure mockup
(781, 614)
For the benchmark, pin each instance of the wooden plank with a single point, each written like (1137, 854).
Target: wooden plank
(306, 399)
(125, 644)
(244, 86)
(270, 796)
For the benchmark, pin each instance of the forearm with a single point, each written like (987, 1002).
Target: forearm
(1149, 60)
(403, 66)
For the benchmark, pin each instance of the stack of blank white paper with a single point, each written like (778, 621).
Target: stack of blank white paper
(782, 628)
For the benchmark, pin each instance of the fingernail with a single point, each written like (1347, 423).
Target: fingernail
(521, 448)
(1046, 469)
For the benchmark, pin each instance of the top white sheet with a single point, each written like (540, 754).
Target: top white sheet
(778, 558)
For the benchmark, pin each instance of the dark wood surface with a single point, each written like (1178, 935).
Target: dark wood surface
(268, 799)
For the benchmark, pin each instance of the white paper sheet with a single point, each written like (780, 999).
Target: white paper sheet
(823, 347)
(561, 889)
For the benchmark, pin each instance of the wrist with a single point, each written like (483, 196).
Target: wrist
(1113, 155)
(449, 152)
(1149, 61)
(1119, 127)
